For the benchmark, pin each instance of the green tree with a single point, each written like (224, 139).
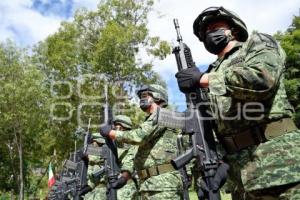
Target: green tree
(290, 41)
(23, 118)
(108, 41)
(60, 76)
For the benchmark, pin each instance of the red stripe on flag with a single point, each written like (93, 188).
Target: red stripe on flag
(51, 179)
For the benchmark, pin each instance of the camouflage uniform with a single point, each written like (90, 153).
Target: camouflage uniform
(156, 146)
(129, 191)
(252, 72)
(98, 186)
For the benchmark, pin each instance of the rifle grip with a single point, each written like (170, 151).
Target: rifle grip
(183, 159)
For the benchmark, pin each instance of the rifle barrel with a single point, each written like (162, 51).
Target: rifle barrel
(176, 24)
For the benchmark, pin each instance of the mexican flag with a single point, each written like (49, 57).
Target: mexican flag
(51, 179)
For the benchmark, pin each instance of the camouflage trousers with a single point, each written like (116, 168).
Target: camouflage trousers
(163, 186)
(158, 195)
(269, 171)
(98, 193)
(128, 192)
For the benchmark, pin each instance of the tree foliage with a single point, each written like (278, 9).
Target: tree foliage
(109, 42)
(290, 41)
(47, 93)
(23, 102)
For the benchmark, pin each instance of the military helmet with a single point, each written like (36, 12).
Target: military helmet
(123, 120)
(98, 138)
(158, 92)
(219, 13)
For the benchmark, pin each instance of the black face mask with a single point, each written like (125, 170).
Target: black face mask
(145, 103)
(216, 41)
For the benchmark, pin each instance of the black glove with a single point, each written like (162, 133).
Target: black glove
(218, 181)
(220, 176)
(104, 130)
(85, 190)
(119, 183)
(188, 79)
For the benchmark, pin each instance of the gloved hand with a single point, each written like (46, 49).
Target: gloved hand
(85, 190)
(104, 130)
(220, 176)
(119, 183)
(188, 79)
(218, 181)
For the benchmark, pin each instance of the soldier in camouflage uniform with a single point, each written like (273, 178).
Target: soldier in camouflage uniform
(120, 122)
(129, 191)
(156, 147)
(250, 106)
(95, 162)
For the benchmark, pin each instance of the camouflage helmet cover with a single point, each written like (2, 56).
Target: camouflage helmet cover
(123, 120)
(219, 13)
(158, 92)
(98, 138)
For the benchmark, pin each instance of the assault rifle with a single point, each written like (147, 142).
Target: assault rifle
(72, 180)
(195, 121)
(111, 161)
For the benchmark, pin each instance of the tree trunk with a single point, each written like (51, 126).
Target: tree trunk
(13, 167)
(20, 152)
(21, 194)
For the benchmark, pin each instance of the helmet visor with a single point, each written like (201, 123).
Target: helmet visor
(216, 11)
(211, 11)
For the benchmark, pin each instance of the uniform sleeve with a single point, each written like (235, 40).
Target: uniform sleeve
(252, 78)
(137, 136)
(127, 163)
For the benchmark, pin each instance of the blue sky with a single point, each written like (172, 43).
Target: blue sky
(29, 21)
(54, 7)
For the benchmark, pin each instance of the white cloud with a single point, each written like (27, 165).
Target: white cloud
(27, 26)
(24, 25)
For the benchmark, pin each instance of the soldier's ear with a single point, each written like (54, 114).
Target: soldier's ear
(234, 33)
(151, 98)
